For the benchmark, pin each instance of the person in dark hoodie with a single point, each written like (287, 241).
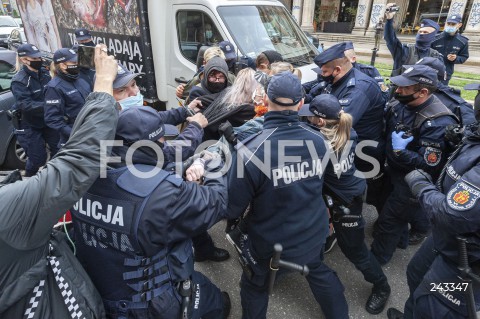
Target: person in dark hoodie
(214, 81)
(408, 54)
(65, 94)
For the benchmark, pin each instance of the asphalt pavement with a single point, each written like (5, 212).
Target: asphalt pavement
(292, 298)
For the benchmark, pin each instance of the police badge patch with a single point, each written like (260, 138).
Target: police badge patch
(432, 156)
(463, 196)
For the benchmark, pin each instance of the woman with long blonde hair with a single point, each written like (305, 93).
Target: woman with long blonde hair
(346, 190)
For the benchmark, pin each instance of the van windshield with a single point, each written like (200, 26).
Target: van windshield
(259, 28)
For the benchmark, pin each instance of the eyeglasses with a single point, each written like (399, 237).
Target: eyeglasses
(218, 77)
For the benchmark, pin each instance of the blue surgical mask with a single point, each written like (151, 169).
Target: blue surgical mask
(450, 29)
(131, 101)
(209, 34)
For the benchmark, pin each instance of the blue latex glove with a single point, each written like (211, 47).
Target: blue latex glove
(398, 142)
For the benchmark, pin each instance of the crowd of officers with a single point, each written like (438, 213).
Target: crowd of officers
(411, 150)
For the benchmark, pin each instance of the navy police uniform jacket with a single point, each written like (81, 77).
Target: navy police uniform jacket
(455, 211)
(192, 135)
(133, 234)
(284, 192)
(64, 98)
(428, 148)
(361, 97)
(404, 54)
(447, 44)
(451, 98)
(28, 88)
(340, 178)
(372, 72)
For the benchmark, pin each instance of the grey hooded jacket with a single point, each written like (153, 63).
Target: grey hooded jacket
(29, 209)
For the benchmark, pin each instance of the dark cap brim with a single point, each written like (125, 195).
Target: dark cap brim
(317, 70)
(83, 37)
(230, 55)
(305, 111)
(124, 80)
(400, 80)
(34, 55)
(472, 86)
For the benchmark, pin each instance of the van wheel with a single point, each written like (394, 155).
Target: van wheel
(16, 156)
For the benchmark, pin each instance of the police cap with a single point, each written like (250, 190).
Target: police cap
(349, 45)
(123, 77)
(228, 49)
(325, 106)
(429, 23)
(285, 85)
(65, 55)
(142, 123)
(29, 50)
(436, 64)
(334, 52)
(82, 34)
(454, 18)
(415, 74)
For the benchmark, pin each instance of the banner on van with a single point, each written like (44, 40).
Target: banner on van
(50, 25)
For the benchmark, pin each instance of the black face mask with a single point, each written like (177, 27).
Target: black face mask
(404, 99)
(329, 78)
(216, 87)
(72, 69)
(89, 44)
(37, 65)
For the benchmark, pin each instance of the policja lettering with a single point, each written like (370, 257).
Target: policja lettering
(94, 209)
(288, 174)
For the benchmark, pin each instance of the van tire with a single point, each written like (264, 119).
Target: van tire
(15, 157)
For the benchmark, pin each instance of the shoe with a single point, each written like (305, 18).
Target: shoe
(331, 241)
(217, 254)
(415, 238)
(378, 298)
(227, 305)
(393, 313)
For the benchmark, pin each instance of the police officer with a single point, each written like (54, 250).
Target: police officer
(416, 122)
(452, 204)
(28, 87)
(84, 38)
(369, 70)
(407, 54)
(448, 95)
(65, 94)
(347, 190)
(135, 239)
(452, 44)
(40, 277)
(361, 97)
(275, 192)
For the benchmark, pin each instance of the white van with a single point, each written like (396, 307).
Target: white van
(162, 38)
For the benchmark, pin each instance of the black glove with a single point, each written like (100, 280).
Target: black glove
(12, 178)
(454, 133)
(417, 180)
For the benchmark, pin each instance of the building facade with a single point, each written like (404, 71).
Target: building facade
(361, 16)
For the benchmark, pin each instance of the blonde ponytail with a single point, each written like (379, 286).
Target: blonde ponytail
(338, 131)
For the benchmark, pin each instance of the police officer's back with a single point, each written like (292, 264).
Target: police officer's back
(452, 45)
(65, 94)
(407, 54)
(286, 206)
(134, 229)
